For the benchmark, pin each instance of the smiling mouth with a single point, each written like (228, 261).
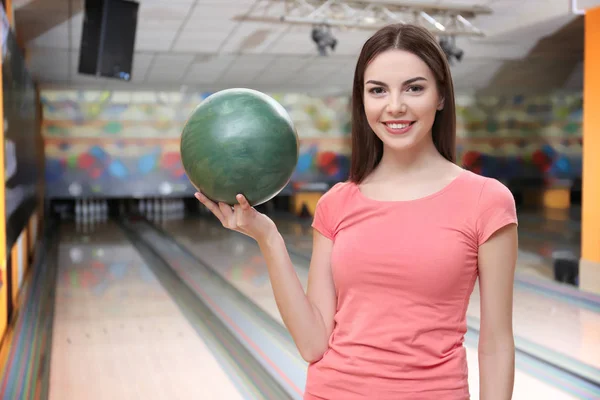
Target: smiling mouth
(398, 125)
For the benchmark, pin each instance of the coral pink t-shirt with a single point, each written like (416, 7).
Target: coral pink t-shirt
(404, 272)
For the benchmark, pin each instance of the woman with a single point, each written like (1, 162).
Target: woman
(398, 247)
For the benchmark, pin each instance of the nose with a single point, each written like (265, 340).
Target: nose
(396, 105)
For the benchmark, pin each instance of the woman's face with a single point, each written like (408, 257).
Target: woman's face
(401, 99)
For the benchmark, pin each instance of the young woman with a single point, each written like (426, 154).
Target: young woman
(398, 247)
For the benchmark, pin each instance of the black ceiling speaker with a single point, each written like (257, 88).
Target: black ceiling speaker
(108, 38)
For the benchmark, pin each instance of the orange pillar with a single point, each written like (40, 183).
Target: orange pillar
(14, 257)
(8, 9)
(589, 266)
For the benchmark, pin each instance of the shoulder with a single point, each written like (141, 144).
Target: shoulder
(494, 194)
(337, 193)
(494, 207)
(485, 189)
(329, 206)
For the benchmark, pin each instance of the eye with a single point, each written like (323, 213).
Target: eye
(376, 90)
(415, 88)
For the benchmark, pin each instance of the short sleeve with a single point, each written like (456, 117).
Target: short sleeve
(324, 220)
(496, 209)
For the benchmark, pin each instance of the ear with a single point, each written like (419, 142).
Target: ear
(440, 106)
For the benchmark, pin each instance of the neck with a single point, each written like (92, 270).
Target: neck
(414, 161)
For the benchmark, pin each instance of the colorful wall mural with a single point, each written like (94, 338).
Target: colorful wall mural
(519, 138)
(127, 143)
(121, 167)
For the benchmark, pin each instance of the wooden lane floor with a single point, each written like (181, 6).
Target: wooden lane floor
(117, 334)
(239, 261)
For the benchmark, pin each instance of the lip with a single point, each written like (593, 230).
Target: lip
(398, 131)
(397, 121)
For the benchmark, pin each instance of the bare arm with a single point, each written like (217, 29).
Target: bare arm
(497, 259)
(307, 316)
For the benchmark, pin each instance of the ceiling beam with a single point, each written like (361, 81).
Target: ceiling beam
(450, 20)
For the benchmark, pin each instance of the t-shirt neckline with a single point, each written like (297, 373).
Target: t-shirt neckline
(419, 199)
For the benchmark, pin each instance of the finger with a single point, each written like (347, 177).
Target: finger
(210, 205)
(226, 210)
(243, 202)
(201, 197)
(204, 200)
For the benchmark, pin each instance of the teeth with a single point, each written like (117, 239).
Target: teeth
(397, 126)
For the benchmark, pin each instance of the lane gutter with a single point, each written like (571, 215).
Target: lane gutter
(208, 325)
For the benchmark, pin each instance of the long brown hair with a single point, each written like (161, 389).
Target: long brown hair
(367, 148)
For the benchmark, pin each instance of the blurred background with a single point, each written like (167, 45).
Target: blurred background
(117, 284)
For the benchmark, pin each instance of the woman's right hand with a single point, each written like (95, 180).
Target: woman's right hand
(242, 218)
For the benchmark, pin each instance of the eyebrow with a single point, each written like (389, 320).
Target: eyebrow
(407, 82)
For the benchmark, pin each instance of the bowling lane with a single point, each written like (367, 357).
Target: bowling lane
(239, 261)
(236, 259)
(543, 321)
(541, 236)
(118, 335)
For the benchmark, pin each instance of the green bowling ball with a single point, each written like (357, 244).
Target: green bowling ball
(239, 141)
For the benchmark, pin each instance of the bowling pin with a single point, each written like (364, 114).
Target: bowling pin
(77, 209)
